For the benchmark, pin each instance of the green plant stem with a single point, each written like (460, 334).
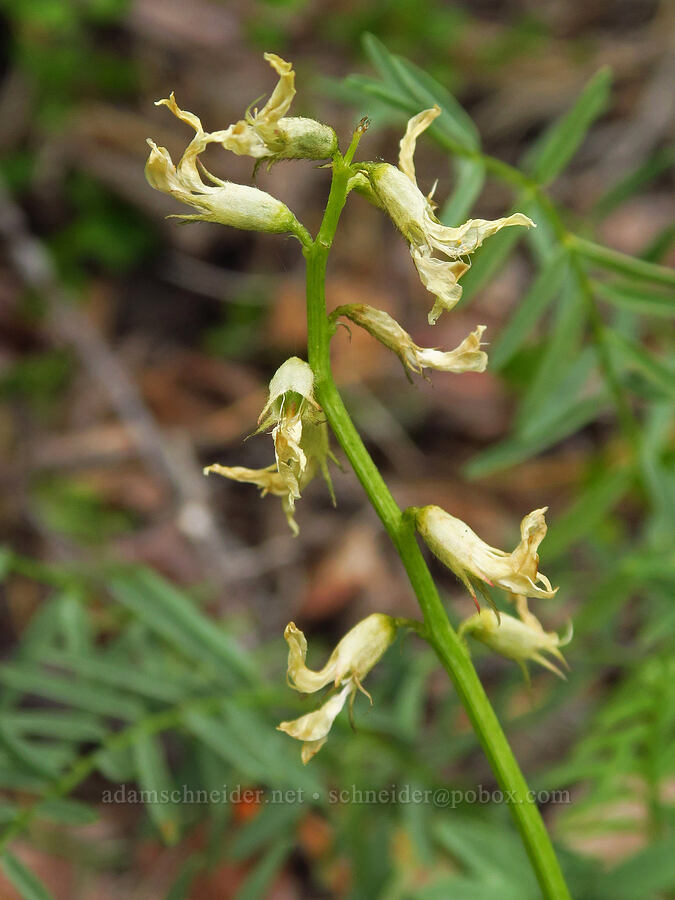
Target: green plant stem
(445, 641)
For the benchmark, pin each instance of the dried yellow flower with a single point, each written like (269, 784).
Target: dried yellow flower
(300, 439)
(351, 660)
(517, 640)
(467, 357)
(460, 548)
(396, 191)
(238, 205)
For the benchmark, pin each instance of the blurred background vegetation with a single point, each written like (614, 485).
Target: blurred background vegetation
(144, 606)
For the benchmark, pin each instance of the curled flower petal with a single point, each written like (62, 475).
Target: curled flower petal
(416, 126)
(268, 480)
(440, 277)
(456, 242)
(315, 725)
(299, 676)
(237, 205)
(269, 134)
(300, 438)
(282, 96)
(468, 357)
(353, 657)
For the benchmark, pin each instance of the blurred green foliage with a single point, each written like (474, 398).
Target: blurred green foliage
(122, 675)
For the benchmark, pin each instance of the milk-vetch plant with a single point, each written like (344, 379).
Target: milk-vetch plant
(304, 400)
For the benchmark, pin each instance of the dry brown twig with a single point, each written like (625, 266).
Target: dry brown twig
(172, 456)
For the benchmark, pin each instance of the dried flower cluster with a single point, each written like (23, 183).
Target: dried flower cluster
(292, 415)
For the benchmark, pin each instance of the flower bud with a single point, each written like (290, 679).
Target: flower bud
(462, 551)
(351, 660)
(468, 357)
(517, 640)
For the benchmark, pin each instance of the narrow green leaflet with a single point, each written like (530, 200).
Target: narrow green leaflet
(517, 449)
(453, 122)
(614, 261)
(124, 678)
(560, 142)
(637, 296)
(528, 312)
(67, 811)
(75, 622)
(643, 875)
(259, 879)
(487, 852)
(635, 356)
(657, 249)
(543, 240)
(469, 181)
(588, 511)
(26, 882)
(170, 613)
(103, 701)
(575, 383)
(217, 737)
(383, 93)
(381, 59)
(272, 822)
(30, 757)
(559, 355)
(70, 725)
(182, 886)
(635, 180)
(424, 91)
(154, 777)
(117, 764)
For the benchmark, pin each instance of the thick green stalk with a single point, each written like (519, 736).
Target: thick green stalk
(448, 646)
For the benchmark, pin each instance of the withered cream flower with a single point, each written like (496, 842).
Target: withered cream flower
(397, 192)
(468, 357)
(224, 202)
(300, 439)
(293, 379)
(268, 480)
(354, 656)
(518, 640)
(269, 134)
(456, 545)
